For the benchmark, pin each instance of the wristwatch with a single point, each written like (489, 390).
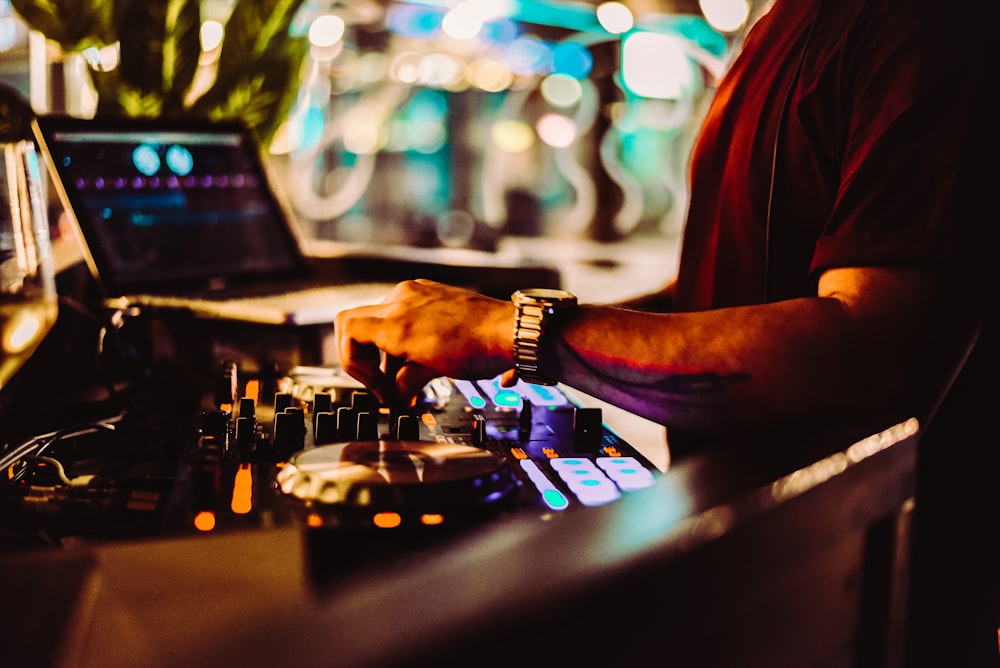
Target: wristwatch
(535, 309)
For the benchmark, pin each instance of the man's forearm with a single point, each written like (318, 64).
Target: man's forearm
(749, 366)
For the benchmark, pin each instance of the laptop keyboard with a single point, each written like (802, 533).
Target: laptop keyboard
(291, 299)
(313, 306)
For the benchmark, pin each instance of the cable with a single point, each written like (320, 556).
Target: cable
(37, 444)
(60, 471)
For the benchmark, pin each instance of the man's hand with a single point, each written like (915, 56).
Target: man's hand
(423, 330)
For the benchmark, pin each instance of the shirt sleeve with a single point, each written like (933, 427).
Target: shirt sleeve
(910, 172)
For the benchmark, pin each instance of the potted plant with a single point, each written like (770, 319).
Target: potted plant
(256, 74)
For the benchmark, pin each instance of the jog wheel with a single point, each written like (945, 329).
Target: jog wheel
(391, 484)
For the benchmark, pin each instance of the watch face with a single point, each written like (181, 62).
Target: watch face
(548, 294)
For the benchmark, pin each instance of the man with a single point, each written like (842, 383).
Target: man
(834, 265)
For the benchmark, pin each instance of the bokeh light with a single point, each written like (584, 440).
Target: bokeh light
(556, 130)
(326, 30)
(615, 17)
(513, 136)
(211, 35)
(673, 74)
(561, 90)
(725, 15)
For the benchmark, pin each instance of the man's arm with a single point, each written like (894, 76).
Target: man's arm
(873, 339)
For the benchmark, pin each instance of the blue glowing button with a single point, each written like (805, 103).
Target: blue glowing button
(627, 472)
(585, 480)
(540, 395)
(552, 497)
(573, 464)
(594, 490)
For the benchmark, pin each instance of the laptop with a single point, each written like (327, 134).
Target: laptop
(182, 214)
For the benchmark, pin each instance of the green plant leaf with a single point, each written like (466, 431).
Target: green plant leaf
(260, 96)
(258, 70)
(181, 51)
(255, 29)
(257, 32)
(73, 24)
(117, 98)
(160, 46)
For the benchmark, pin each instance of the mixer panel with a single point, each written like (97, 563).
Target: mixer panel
(314, 448)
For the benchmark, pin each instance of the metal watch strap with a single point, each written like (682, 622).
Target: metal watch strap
(535, 308)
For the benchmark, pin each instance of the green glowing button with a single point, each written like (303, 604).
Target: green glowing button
(506, 398)
(554, 499)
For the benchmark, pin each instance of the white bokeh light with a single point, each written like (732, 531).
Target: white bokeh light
(615, 17)
(556, 130)
(211, 34)
(725, 15)
(326, 30)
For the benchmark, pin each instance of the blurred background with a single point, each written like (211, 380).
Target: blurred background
(490, 125)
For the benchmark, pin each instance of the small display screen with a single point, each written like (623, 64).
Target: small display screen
(169, 205)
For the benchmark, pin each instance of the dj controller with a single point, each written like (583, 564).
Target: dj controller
(312, 448)
(268, 516)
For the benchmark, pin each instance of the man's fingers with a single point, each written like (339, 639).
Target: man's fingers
(360, 356)
(508, 378)
(362, 363)
(411, 378)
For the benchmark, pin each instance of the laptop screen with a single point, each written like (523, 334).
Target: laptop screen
(171, 203)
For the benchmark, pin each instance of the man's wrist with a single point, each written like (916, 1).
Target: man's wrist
(536, 311)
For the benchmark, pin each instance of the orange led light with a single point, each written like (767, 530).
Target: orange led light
(432, 519)
(314, 520)
(387, 520)
(518, 453)
(204, 520)
(252, 390)
(242, 502)
(428, 419)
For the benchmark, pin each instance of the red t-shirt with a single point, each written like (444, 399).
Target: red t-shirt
(876, 159)
(888, 157)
